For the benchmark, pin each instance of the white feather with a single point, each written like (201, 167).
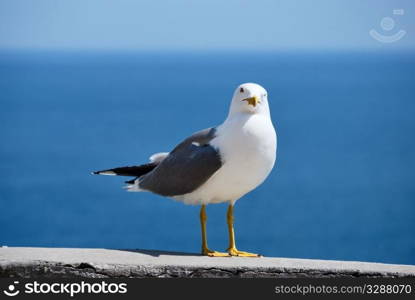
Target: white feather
(107, 173)
(158, 157)
(133, 187)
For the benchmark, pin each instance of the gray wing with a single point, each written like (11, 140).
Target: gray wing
(186, 168)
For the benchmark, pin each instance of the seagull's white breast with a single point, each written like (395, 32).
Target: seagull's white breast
(247, 144)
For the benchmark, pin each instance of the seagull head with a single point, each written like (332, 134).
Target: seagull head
(250, 98)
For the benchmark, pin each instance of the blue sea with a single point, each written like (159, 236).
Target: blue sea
(343, 186)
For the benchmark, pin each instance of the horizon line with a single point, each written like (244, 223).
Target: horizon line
(379, 50)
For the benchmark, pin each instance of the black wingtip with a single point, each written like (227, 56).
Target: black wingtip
(95, 173)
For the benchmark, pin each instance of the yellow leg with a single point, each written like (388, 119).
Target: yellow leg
(205, 249)
(232, 246)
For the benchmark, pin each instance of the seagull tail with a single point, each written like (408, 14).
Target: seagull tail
(135, 171)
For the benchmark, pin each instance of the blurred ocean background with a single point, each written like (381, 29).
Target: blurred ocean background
(343, 186)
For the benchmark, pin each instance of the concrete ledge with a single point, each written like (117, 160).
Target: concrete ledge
(103, 263)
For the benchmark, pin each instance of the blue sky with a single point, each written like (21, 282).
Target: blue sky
(208, 25)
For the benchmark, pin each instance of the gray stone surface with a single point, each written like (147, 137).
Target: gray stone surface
(101, 263)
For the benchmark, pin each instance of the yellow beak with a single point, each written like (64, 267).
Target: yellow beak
(252, 100)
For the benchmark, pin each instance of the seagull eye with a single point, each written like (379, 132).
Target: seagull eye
(265, 95)
(241, 90)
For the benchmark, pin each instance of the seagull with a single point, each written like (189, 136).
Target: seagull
(214, 165)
